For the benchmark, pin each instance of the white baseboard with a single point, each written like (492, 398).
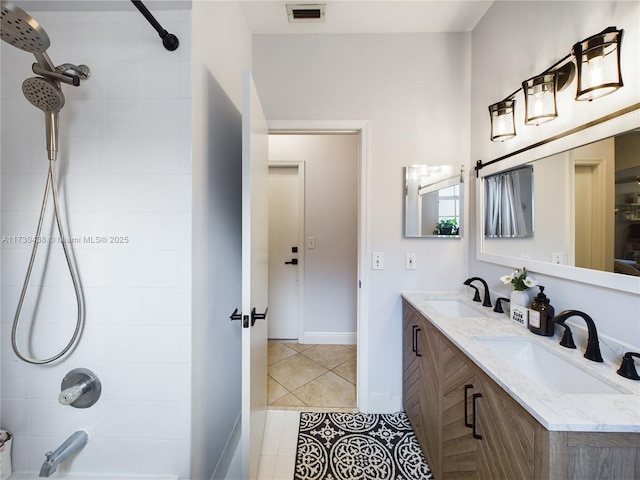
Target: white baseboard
(222, 470)
(330, 338)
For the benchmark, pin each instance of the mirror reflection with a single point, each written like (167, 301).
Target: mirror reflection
(587, 209)
(433, 201)
(509, 203)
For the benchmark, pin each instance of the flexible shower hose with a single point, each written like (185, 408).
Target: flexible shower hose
(51, 183)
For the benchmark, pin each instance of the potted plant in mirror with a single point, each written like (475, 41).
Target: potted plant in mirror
(447, 226)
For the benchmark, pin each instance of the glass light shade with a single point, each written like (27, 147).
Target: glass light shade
(503, 126)
(598, 63)
(540, 99)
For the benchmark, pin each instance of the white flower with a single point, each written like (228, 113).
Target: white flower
(529, 282)
(507, 279)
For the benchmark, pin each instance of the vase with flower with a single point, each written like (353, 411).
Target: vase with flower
(521, 284)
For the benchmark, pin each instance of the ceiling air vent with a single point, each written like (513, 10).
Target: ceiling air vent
(305, 12)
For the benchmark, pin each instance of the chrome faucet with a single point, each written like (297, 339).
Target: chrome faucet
(70, 446)
(592, 351)
(487, 298)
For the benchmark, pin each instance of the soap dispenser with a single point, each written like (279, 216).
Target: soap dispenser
(541, 315)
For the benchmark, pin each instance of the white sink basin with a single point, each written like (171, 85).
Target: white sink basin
(452, 307)
(543, 366)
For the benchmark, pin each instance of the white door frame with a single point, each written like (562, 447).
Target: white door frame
(362, 127)
(299, 165)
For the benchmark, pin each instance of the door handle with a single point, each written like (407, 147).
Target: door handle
(238, 316)
(294, 261)
(258, 316)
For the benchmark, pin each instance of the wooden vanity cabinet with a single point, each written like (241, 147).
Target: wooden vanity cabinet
(451, 402)
(421, 379)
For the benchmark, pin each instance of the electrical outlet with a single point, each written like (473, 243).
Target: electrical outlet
(557, 258)
(410, 261)
(377, 261)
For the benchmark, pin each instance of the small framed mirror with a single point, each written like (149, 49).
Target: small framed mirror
(433, 201)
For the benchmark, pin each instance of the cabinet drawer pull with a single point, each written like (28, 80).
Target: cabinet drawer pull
(466, 407)
(416, 329)
(475, 396)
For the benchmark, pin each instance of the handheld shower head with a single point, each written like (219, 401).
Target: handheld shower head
(21, 30)
(43, 94)
(47, 96)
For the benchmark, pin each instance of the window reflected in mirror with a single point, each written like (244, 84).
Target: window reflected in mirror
(433, 201)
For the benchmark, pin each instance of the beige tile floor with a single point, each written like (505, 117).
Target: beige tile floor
(311, 376)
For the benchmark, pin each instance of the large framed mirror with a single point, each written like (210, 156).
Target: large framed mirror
(586, 193)
(433, 201)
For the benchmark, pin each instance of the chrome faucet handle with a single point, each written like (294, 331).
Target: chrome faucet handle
(627, 367)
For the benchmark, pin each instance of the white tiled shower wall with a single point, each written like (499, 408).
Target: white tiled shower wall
(125, 172)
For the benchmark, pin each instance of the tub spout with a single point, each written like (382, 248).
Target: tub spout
(70, 446)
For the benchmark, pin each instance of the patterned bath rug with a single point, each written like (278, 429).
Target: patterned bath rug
(358, 446)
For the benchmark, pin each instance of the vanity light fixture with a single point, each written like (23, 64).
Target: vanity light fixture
(598, 62)
(540, 98)
(503, 124)
(540, 91)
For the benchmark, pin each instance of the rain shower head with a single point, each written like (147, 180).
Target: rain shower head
(47, 96)
(21, 30)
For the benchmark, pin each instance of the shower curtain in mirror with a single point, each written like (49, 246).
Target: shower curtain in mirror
(504, 215)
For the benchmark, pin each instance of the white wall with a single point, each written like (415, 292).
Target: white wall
(331, 216)
(414, 90)
(125, 165)
(504, 54)
(221, 51)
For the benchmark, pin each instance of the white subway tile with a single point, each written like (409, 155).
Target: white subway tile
(171, 383)
(159, 457)
(122, 419)
(124, 343)
(166, 345)
(122, 382)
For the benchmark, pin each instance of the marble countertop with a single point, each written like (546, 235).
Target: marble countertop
(618, 411)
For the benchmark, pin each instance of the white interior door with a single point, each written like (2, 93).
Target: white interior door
(255, 172)
(284, 252)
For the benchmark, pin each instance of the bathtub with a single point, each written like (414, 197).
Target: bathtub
(91, 476)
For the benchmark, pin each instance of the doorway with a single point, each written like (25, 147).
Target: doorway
(322, 170)
(286, 226)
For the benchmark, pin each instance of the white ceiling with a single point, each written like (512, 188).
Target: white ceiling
(366, 16)
(342, 16)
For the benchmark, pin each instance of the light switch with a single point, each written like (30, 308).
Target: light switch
(410, 261)
(311, 242)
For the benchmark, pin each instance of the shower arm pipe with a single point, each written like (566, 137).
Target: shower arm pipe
(56, 75)
(169, 41)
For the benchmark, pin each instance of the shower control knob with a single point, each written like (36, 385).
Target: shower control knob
(81, 388)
